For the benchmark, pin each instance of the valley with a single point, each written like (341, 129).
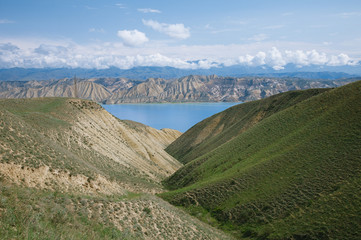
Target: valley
(283, 167)
(180, 120)
(68, 168)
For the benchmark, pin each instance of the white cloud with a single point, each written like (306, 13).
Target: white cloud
(173, 30)
(47, 50)
(90, 8)
(275, 59)
(236, 22)
(223, 30)
(132, 37)
(96, 30)
(341, 59)
(8, 47)
(278, 60)
(258, 37)
(349, 14)
(272, 27)
(100, 56)
(120, 5)
(148, 10)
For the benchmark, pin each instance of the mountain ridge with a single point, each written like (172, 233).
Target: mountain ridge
(192, 88)
(143, 73)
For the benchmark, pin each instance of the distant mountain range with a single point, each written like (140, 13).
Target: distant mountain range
(143, 73)
(192, 88)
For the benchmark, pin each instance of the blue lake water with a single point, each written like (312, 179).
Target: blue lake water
(179, 116)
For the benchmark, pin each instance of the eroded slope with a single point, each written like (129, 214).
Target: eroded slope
(70, 170)
(80, 137)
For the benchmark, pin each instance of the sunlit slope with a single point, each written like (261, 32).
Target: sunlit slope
(295, 174)
(80, 137)
(222, 127)
(70, 170)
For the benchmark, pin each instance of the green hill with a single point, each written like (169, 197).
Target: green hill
(220, 128)
(292, 169)
(71, 170)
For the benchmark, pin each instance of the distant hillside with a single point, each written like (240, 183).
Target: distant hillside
(291, 168)
(70, 170)
(186, 89)
(143, 73)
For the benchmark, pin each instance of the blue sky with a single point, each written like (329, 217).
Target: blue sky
(184, 34)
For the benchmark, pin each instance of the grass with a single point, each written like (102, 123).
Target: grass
(222, 127)
(47, 111)
(37, 132)
(283, 176)
(33, 214)
(28, 213)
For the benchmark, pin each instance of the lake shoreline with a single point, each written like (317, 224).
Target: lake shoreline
(178, 116)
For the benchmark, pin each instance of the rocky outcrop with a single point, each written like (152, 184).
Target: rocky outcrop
(186, 89)
(214, 89)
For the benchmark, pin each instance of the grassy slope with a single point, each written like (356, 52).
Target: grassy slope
(33, 214)
(295, 174)
(28, 213)
(37, 132)
(220, 128)
(37, 214)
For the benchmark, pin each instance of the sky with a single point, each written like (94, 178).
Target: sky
(187, 34)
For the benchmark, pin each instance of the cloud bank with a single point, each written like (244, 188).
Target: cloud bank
(71, 55)
(173, 30)
(277, 60)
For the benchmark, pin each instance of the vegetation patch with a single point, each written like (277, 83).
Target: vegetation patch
(291, 174)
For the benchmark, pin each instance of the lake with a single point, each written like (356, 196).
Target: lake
(179, 116)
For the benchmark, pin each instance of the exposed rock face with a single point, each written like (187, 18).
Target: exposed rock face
(186, 89)
(131, 144)
(56, 179)
(79, 138)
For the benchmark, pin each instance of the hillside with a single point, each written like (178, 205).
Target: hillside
(191, 88)
(70, 170)
(224, 126)
(92, 89)
(292, 171)
(88, 138)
